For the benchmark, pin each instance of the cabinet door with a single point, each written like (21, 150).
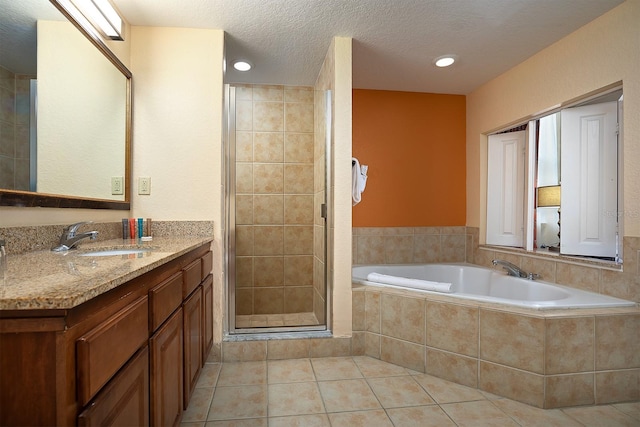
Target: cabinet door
(124, 401)
(166, 372)
(207, 317)
(192, 312)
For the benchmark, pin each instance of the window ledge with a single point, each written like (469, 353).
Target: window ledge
(553, 256)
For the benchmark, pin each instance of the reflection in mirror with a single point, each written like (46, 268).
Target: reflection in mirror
(66, 113)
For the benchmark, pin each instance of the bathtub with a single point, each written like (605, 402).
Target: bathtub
(492, 286)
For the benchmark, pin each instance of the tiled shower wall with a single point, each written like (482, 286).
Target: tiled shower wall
(14, 130)
(274, 199)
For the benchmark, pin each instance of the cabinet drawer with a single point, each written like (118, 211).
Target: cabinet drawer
(125, 400)
(191, 276)
(207, 265)
(105, 349)
(164, 299)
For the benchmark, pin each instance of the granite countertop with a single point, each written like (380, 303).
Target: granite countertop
(48, 280)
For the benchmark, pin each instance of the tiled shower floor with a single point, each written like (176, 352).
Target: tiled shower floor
(275, 320)
(362, 391)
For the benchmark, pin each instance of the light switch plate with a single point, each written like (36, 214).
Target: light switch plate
(144, 185)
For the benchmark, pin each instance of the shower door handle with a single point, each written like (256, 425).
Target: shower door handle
(323, 210)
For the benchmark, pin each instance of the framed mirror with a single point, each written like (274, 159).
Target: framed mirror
(65, 128)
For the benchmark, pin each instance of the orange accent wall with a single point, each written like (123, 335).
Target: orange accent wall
(414, 145)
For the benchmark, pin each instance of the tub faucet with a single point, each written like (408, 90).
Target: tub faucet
(513, 270)
(70, 238)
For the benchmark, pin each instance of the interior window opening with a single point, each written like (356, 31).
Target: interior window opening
(553, 183)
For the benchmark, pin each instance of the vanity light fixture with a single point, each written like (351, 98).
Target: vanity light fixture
(242, 65)
(96, 17)
(445, 61)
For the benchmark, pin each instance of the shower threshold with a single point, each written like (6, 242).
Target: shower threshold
(276, 320)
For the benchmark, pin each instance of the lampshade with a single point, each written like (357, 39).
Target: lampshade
(549, 196)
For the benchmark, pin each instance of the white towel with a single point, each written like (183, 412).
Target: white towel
(359, 180)
(410, 283)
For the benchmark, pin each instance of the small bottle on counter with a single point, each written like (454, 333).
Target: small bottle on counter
(3, 261)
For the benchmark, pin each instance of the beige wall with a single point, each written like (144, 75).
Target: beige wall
(599, 54)
(177, 131)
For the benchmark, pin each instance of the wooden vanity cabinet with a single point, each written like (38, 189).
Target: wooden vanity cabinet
(117, 359)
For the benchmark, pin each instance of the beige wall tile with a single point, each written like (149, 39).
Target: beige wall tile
(298, 240)
(298, 178)
(244, 146)
(298, 94)
(372, 345)
(617, 386)
(577, 276)
(268, 209)
(617, 342)
(358, 311)
(268, 178)
(244, 271)
(402, 353)
(268, 300)
(287, 349)
(569, 345)
(268, 240)
(370, 249)
(298, 299)
(244, 351)
(298, 117)
(268, 147)
(298, 147)
(244, 301)
(244, 178)
(398, 249)
(244, 93)
(426, 248)
(268, 271)
(452, 248)
(298, 209)
(329, 347)
(268, 116)
(452, 327)
(452, 367)
(403, 318)
(244, 240)
(512, 339)
(514, 384)
(268, 93)
(244, 209)
(244, 115)
(298, 270)
(546, 269)
(569, 390)
(372, 311)
(358, 343)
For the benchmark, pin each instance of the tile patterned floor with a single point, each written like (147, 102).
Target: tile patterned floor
(362, 391)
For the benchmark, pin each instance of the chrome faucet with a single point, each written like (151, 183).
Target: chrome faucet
(513, 270)
(70, 238)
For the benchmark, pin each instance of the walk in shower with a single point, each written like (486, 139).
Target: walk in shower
(276, 192)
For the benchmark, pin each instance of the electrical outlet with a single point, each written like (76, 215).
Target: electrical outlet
(144, 185)
(117, 185)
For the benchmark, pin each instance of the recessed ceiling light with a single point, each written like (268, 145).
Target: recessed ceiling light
(242, 65)
(445, 61)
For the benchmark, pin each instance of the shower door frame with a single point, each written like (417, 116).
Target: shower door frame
(229, 176)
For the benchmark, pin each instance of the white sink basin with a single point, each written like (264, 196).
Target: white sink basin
(113, 252)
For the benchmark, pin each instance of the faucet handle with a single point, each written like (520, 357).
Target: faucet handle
(533, 276)
(71, 229)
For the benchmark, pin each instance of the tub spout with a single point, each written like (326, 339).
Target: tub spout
(512, 270)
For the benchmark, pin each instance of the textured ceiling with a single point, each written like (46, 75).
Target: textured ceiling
(394, 41)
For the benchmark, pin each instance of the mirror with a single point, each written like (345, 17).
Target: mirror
(66, 119)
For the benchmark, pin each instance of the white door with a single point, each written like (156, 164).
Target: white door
(505, 189)
(589, 158)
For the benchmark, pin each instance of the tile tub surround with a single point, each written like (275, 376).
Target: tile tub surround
(546, 359)
(50, 280)
(418, 245)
